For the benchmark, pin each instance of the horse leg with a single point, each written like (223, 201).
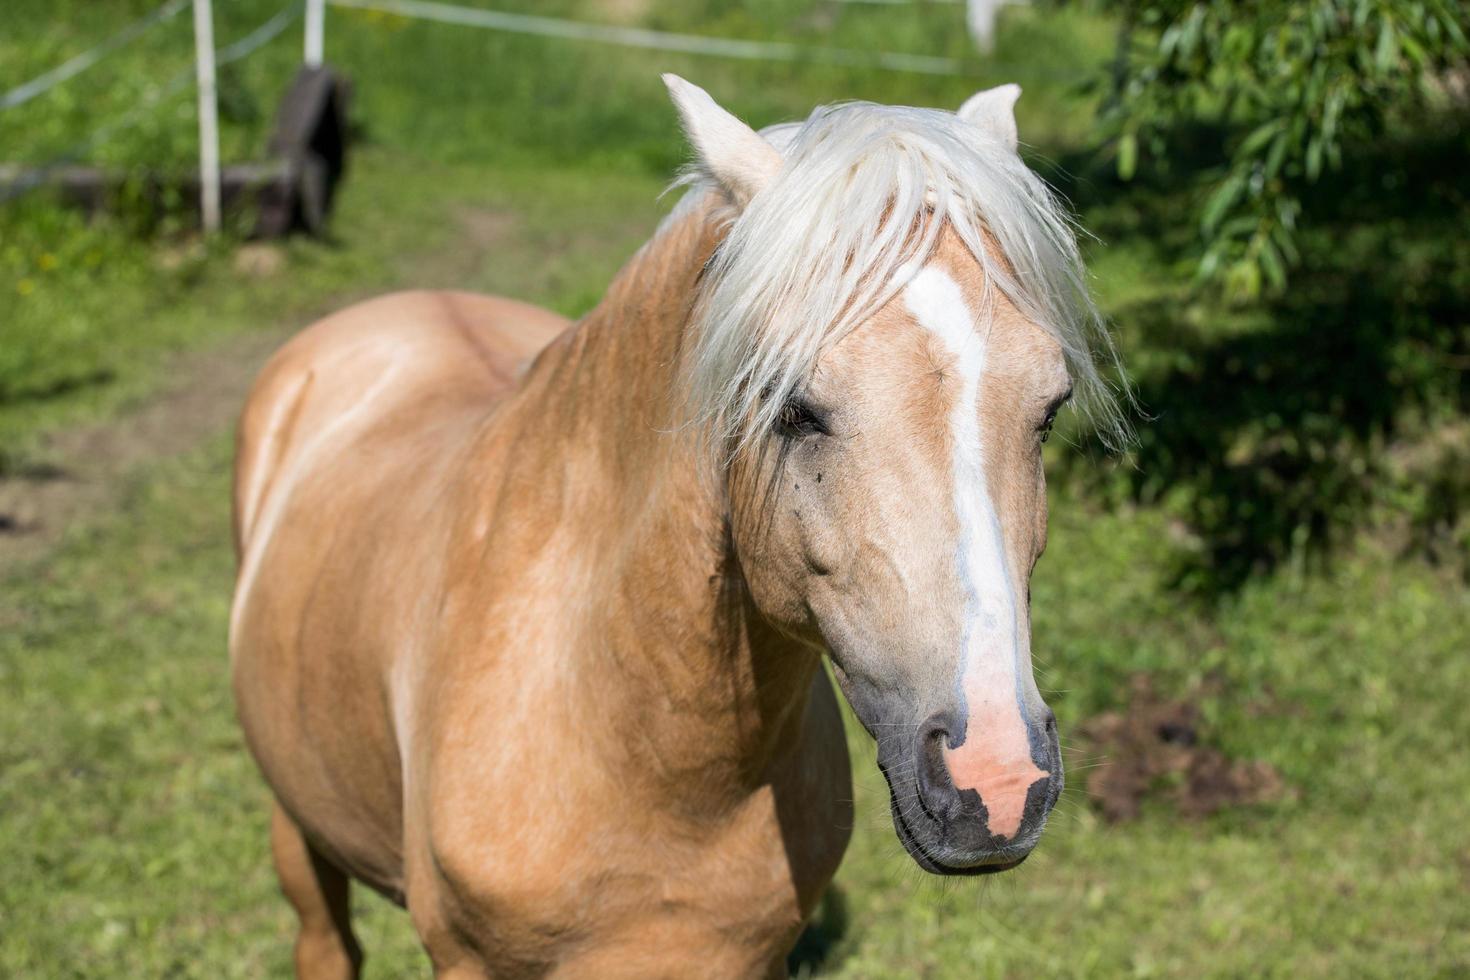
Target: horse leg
(326, 949)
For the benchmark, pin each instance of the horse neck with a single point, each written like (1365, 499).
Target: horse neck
(673, 647)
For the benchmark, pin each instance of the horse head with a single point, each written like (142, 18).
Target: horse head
(884, 337)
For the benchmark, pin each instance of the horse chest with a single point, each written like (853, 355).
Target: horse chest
(664, 894)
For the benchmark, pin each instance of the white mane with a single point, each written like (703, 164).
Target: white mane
(864, 190)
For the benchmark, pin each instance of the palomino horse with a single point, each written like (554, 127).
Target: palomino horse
(530, 616)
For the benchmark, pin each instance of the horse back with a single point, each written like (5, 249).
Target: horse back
(416, 352)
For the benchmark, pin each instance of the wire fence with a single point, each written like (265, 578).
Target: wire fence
(180, 81)
(638, 37)
(444, 13)
(73, 67)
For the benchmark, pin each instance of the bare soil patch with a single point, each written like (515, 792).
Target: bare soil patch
(1153, 748)
(483, 233)
(83, 469)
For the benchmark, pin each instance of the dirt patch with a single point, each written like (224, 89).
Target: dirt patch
(486, 229)
(483, 233)
(85, 468)
(1153, 748)
(259, 260)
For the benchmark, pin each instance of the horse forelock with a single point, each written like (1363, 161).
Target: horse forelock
(859, 203)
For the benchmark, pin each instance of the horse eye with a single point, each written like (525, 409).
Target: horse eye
(1051, 415)
(798, 420)
(1047, 423)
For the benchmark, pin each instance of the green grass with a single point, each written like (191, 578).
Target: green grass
(132, 823)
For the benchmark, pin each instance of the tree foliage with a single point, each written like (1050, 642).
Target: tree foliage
(1288, 89)
(1308, 161)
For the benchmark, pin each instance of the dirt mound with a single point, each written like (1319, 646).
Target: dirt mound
(1153, 749)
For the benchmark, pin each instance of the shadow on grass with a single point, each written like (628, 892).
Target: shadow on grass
(818, 949)
(59, 384)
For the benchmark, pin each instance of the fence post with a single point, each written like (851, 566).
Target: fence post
(315, 15)
(208, 116)
(980, 17)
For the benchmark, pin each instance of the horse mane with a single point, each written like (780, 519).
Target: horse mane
(858, 205)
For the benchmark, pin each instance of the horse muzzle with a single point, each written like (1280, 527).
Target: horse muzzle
(988, 823)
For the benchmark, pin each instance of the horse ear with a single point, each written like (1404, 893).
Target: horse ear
(994, 110)
(733, 153)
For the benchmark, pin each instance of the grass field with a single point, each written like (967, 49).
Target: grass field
(132, 823)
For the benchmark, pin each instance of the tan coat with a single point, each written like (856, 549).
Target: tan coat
(488, 653)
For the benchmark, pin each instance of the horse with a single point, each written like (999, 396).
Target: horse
(530, 619)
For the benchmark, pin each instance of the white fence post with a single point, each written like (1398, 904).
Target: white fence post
(208, 116)
(980, 16)
(315, 15)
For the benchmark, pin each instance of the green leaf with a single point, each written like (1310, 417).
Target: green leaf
(1260, 136)
(1387, 50)
(1128, 155)
(1412, 49)
(1222, 201)
(1276, 156)
(1271, 263)
(1243, 280)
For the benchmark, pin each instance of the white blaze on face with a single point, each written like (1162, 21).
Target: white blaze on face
(995, 757)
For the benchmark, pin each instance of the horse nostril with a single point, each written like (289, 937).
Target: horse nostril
(937, 794)
(935, 735)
